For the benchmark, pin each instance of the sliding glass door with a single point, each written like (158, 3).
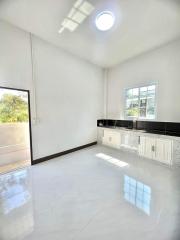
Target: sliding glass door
(15, 147)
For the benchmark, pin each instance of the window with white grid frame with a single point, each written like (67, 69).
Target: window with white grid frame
(140, 102)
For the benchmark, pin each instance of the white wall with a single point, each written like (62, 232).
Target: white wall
(15, 62)
(69, 90)
(69, 99)
(161, 66)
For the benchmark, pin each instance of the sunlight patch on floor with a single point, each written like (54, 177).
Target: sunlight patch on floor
(112, 160)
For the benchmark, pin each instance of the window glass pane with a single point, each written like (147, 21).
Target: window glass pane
(150, 113)
(132, 102)
(143, 102)
(143, 91)
(150, 88)
(143, 112)
(132, 112)
(151, 108)
(129, 93)
(132, 93)
(128, 103)
(150, 102)
(151, 92)
(135, 92)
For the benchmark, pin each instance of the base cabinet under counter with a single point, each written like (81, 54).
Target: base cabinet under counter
(111, 138)
(164, 149)
(156, 148)
(118, 139)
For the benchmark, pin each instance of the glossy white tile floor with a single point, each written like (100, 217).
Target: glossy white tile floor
(91, 196)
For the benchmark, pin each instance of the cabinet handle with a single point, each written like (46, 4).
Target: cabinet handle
(153, 148)
(139, 140)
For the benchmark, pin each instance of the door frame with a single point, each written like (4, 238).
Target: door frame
(29, 113)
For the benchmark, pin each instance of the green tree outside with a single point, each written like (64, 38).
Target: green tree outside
(13, 109)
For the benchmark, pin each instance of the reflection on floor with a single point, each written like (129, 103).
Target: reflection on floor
(137, 194)
(13, 166)
(89, 195)
(15, 194)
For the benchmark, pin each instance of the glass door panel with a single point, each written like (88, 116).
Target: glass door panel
(14, 130)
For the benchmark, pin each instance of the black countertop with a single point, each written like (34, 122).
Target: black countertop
(161, 128)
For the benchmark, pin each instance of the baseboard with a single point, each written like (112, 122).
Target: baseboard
(43, 159)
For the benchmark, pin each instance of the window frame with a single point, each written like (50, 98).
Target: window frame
(155, 100)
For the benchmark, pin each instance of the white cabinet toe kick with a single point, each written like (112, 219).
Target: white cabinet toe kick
(162, 148)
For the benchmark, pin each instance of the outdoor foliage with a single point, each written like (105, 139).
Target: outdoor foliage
(13, 109)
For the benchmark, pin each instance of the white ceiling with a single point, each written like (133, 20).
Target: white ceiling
(141, 25)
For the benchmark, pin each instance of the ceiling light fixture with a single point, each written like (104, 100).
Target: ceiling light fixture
(105, 20)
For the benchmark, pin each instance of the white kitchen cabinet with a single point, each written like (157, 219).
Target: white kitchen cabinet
(159, 151)
(176, 152)
(150, 147)
(156, 148)
(146, 147)
(129, 140)
(142, 145)
(160, 148)
(163, 150)
(100, 134)
(111, 138)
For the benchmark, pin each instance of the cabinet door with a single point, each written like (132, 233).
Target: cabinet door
(159, 154)
(164, 150)
(129, 140)
(156, 148)
(168, 151)
(107, 138)
(141, 146)
(100, 134)
(146, 147)
(150, 147)
(115, 139)
(111, 138)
